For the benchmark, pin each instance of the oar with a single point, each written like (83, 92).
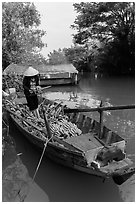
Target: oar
(77, 110)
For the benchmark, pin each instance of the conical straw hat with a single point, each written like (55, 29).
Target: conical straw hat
(31, 72)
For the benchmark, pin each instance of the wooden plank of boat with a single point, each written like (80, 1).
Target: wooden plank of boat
(85, 142)
(59, 80)
(53, 82)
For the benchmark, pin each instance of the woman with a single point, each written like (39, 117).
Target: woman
(31, 88)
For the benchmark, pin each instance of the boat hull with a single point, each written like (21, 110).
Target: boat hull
(70, 159)
(51, 82)
(86, 152)
(59, 81)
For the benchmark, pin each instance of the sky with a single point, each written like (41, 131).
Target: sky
(56, 18)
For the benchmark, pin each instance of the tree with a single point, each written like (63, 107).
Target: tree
(57, 57)
(21, 38)
(112, 23)
(83, 57)
(77, 55)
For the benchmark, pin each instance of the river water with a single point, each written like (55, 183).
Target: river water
(61, 184)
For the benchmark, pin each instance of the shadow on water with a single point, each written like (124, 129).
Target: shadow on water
(62, 184)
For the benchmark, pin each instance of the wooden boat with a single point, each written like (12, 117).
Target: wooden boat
(59, 79)
(50, 75)
(82, 149)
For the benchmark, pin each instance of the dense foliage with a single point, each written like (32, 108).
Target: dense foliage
(21, 38)
(113, 25)
(12, 80)
(57, 57)
(82, 57)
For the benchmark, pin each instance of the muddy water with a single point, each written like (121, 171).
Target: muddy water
(61, 184)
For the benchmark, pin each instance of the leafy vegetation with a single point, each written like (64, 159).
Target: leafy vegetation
(104, 42)
(112, 24)
(57, 57)
(21, 38)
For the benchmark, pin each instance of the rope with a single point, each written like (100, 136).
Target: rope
(45, 145)
(5, 123)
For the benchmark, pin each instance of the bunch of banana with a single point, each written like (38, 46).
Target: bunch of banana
(73, 129)
(65, 129)
(53, 110)
(59, 123)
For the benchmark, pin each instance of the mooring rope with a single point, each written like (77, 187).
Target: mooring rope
(45, 145)
(37, 168)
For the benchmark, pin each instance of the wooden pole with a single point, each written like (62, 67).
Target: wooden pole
(120, 107)
(46, 123)
(101, 122)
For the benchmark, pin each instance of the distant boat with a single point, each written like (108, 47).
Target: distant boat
(62, 74)
(75, 143)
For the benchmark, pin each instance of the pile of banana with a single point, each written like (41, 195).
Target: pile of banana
(64, 129)
(60, 126)
(24, 116)
(59, 122)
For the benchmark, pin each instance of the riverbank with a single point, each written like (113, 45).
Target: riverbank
(15, 178)
(17, 185)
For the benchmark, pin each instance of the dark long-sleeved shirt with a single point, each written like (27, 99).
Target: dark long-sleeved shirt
(28, 84)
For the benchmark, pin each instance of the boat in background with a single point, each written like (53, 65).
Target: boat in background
(62, 74)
